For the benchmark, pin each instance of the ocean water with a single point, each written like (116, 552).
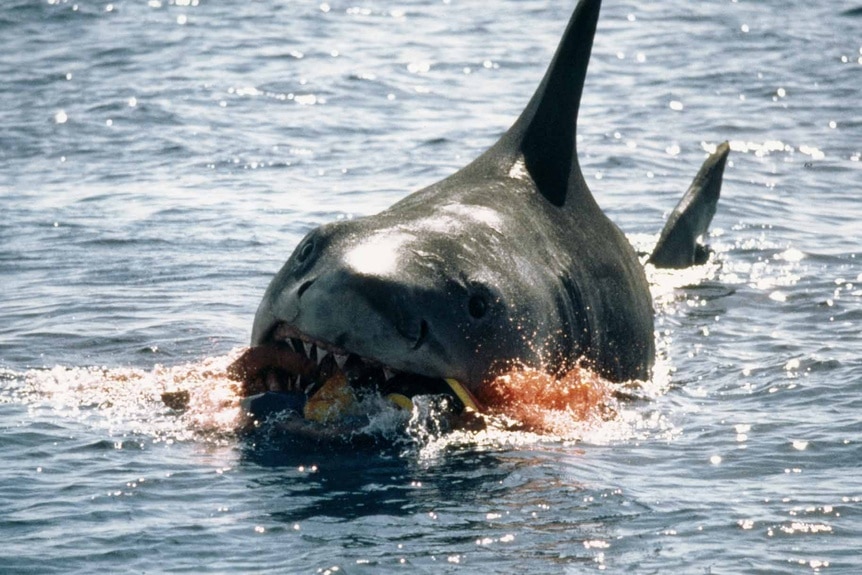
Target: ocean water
(160, 159)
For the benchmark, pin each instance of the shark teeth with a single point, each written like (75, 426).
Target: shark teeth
(293, 363)
(362, 372)
(319, 352)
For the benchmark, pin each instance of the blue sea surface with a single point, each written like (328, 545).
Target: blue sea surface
(160, 159)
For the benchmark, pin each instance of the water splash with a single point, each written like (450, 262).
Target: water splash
(190, 402)
(198, 402)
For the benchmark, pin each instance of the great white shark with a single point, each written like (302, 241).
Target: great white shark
(508, 262)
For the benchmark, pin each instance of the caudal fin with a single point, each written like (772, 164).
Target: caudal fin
(677, 246)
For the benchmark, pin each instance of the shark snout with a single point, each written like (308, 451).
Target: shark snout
(374, 317)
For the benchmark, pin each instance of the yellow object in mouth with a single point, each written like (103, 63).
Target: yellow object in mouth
(336, 399)
(463, 394)
(401, 401)
(331, 401)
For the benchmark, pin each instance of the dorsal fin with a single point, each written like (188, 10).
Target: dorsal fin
(543, 137)
(677, 246)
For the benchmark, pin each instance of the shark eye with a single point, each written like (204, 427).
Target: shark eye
(477, 306)
(305, 251)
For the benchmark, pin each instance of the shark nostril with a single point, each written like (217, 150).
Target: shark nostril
(302, 289)
(423, 333)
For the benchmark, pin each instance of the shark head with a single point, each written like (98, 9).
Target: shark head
(436, 290)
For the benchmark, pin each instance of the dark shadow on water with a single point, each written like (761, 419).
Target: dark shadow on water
(711, 290)
(349, 482)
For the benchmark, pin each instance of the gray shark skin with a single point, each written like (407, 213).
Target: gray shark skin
(508, 262)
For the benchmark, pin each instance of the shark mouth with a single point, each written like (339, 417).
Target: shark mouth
(294, 371)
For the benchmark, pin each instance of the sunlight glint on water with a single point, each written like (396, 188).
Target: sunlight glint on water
(155, 173)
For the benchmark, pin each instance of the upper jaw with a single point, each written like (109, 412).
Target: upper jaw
(283, 332)
(313, 357)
